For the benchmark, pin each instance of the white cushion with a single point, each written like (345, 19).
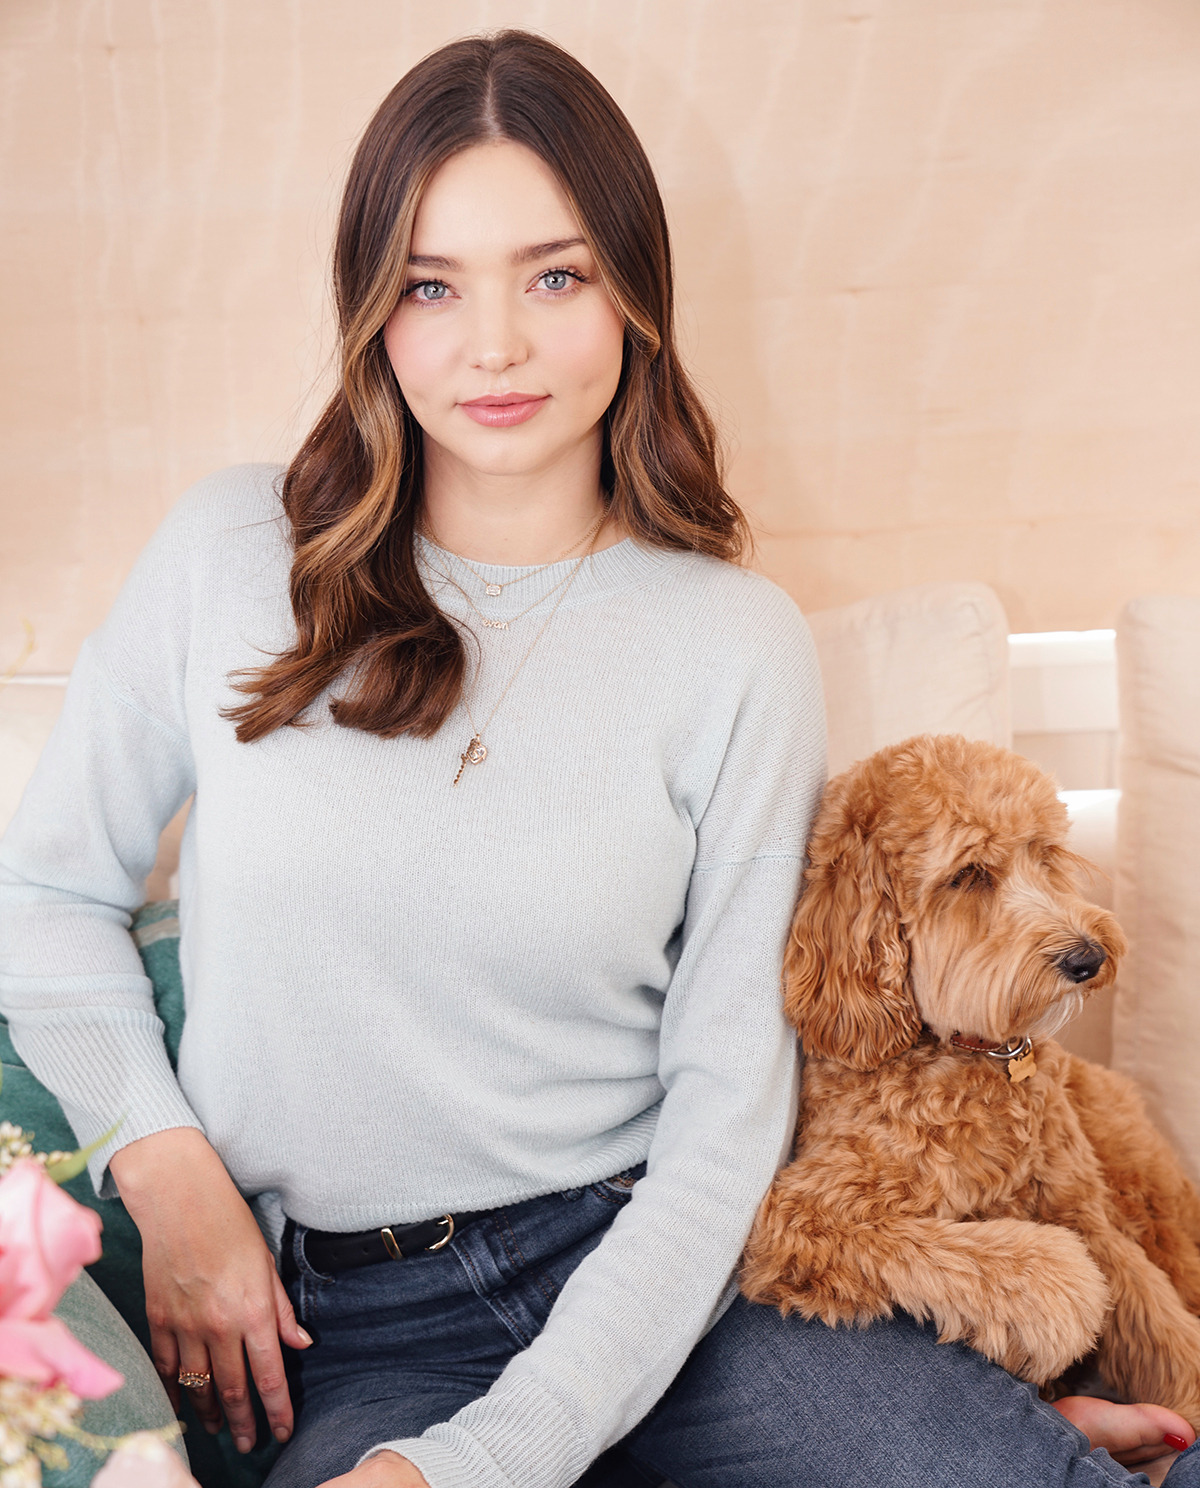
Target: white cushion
(1156, 1030)
(932, 659)
(1093, 836)
(1093, 816)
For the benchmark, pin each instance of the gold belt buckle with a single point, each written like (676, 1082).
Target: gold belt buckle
(447, 1237)
(393, 1249)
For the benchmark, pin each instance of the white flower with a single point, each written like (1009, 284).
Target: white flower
(143, 1461)
(31, 1411)
(27, 1473)
(13, 1444)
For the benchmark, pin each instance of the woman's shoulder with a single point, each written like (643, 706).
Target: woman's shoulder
(224, 541)
(747, 607)
(712, 630)
(229, 504)
(228, 524)
(745, 585)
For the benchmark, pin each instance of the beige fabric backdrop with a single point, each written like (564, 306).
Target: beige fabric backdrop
(939, 263)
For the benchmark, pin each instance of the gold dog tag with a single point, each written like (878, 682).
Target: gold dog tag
(1022, 1067)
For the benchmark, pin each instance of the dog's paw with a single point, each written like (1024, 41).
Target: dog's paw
(1042, 1309)
(816, 1294)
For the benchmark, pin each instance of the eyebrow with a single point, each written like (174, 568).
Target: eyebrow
(521, 256)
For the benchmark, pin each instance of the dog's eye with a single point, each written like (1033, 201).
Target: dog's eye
(971, 876)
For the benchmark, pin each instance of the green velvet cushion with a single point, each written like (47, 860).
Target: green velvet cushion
(215, 1461)
(140, 1405)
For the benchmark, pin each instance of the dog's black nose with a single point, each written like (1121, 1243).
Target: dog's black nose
(1082, 962)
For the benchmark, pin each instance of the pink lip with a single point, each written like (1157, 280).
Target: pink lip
(501, 411)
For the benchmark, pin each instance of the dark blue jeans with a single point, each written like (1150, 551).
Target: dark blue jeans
(762, 1402)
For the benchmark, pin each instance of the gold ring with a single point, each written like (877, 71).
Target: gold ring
(190, 1379)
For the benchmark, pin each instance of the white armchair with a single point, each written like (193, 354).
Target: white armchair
(1156, 1027)
(937, 659)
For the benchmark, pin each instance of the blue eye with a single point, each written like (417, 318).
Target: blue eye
(556, 280)
(429, 291)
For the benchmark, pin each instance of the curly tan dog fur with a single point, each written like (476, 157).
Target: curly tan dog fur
(1035, 1221)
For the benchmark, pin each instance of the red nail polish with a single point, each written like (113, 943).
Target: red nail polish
(1176, 1443)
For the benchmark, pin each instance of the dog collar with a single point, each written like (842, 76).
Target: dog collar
(1018, 1054)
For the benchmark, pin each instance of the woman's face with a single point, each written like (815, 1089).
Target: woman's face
(505, 343)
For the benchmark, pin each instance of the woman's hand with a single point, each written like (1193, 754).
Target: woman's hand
(384, 1470)
(213, 1296)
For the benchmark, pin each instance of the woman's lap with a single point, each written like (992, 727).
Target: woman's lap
(763, 1400)
(402, 1345)
(768, 1400)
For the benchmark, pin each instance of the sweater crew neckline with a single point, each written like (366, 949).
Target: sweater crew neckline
(626, 564)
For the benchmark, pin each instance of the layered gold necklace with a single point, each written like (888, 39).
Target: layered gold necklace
(484, 620)
(490, 586)
(477, 751)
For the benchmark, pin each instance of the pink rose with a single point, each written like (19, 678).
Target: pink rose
(144, 1461)
(45, 1352)
(46, 1239)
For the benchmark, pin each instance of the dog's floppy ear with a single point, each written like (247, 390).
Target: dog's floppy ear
(846, 970)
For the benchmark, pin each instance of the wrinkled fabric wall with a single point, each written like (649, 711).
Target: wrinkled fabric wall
(939, 268)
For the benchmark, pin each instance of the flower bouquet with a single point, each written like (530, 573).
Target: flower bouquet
(46, 1375)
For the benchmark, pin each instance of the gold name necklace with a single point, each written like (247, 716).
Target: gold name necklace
(483, 619)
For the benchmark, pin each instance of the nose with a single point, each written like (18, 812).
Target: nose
(497, 342)
(1082, 962)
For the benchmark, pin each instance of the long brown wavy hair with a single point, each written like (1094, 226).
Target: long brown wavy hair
(353, 492)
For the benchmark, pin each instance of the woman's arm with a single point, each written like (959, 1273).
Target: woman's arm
(74, 861)
(632, 1311)
(81, 1010)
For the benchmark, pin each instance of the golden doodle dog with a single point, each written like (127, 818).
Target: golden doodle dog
(951, 1159)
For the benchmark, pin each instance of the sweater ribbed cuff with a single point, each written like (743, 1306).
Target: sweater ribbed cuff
(517, 1436)
(144, 1099)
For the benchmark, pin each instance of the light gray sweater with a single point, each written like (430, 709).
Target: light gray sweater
(404, 998)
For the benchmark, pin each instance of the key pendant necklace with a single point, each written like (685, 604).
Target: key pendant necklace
(476, 751)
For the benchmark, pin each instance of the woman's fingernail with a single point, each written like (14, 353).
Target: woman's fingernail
(306, 1337)
(282, 1433)
(212, 1427)
(244, 1443)
(1176, 1443)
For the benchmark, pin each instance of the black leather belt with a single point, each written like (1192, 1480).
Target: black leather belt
(328, 1251)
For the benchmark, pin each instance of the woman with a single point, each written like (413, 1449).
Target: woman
(486, 881)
